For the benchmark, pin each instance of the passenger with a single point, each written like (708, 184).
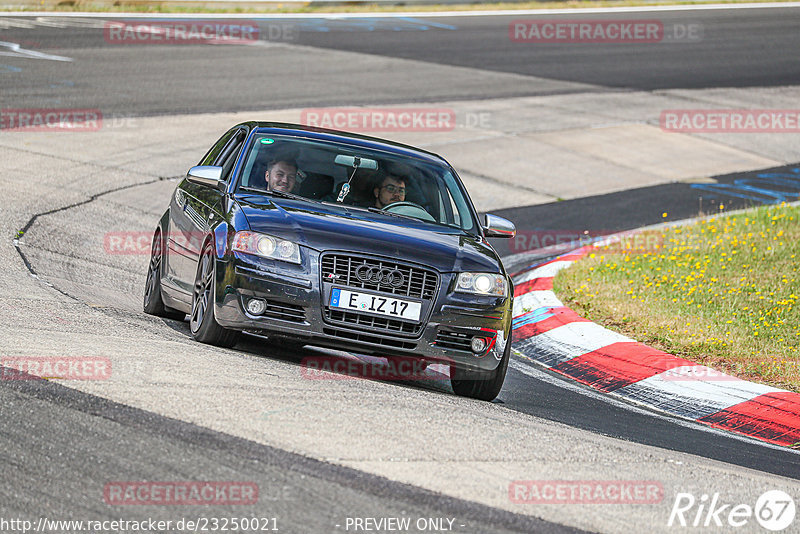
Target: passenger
(281, 175)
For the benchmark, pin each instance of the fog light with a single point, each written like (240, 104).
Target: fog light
(256, 306)
(478, 345)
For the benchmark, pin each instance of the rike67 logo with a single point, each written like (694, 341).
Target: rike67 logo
(774, 510)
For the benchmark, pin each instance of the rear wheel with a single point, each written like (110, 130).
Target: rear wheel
(481, 385)
(202, 323)
(153, 302)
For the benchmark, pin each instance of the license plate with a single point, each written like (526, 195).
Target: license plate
(364, 302)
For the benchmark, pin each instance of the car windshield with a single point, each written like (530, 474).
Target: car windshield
(354, 176)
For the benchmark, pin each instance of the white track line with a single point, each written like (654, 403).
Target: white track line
(545, 271)
(569, 341)
(533, 300)
(15, 50)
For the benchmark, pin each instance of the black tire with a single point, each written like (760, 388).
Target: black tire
(202, 323)
(481, 385)
(153, 303)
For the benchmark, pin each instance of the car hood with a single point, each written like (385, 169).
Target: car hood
(328, 227)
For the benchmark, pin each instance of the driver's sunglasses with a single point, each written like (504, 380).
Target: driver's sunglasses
(394, 189)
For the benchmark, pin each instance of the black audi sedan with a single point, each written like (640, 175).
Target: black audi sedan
(333, 239)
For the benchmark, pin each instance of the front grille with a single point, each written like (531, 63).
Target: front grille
(284, 312)
(453, 340)
(383, 324)
(366, 338)
(418, 282)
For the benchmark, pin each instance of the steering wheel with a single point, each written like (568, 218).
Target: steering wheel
(410, 209)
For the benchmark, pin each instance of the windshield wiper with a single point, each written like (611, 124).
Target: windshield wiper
(378, 210)
(282, 194)
(251, 189)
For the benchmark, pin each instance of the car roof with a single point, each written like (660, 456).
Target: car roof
(336, 136)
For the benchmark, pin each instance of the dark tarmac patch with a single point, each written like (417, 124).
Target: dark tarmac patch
(545, 224)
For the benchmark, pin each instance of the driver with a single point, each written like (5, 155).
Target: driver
(392, 189)
(281, 175)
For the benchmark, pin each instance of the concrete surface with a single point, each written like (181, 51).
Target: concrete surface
(421, 435)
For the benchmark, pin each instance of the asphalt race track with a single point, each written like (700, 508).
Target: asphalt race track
(324, 453)
(736, 50)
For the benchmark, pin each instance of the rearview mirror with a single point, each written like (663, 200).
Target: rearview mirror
(206, 175)
(495, 226)
(356, 162)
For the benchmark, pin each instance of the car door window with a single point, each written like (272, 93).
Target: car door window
(212, 155)
(227, 159)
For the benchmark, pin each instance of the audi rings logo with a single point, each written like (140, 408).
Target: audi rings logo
(385, 276)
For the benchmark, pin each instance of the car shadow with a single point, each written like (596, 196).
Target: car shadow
(318, 363)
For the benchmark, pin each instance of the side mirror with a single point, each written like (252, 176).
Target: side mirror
(495, 226)
(206, 175)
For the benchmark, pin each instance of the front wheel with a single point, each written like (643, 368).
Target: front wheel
(202, 323)
(481, 385)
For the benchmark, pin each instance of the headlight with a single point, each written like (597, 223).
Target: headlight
(482, 284)
(266, 246)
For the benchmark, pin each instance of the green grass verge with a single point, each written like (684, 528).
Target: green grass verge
(722, 292)
(153, 6)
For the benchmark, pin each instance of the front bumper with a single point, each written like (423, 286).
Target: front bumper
(297, 298)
